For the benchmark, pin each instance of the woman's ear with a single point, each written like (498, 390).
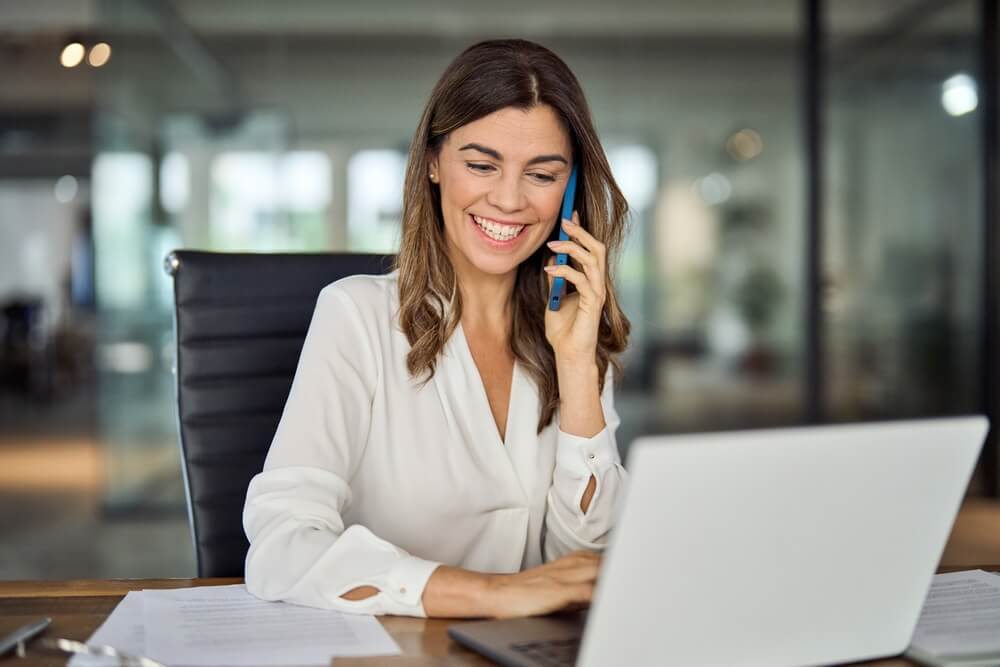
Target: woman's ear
(432, 170)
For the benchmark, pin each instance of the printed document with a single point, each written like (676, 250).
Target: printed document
(123, 630)
(960, 621)
(226, 625)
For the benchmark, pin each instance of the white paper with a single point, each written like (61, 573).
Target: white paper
(225, 625)
(122, 630)
(961, 615)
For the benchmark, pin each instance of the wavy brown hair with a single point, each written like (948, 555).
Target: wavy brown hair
(485, 78)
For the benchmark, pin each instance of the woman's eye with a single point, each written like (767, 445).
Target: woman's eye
(485, 168)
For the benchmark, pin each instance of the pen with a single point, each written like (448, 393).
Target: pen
(23, 634)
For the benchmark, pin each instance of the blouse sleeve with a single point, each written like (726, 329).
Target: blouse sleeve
(567, 527)
(300, 550)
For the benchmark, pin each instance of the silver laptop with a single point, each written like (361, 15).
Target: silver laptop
(798, 546)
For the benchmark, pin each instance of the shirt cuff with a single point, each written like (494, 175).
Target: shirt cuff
(583, 457)
(404, 586)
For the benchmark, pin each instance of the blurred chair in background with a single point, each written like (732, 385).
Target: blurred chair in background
(240, 322)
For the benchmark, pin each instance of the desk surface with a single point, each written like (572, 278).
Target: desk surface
(78, 607)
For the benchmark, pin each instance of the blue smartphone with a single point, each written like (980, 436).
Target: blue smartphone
(559, 284)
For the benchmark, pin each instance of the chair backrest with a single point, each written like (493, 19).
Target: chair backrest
(240, 321)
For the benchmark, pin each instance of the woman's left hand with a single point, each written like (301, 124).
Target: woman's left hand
(572, 330)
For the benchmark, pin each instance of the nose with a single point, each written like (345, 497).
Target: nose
(506, 193)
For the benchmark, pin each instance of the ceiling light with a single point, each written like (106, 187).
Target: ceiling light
(72, 54)
(958, 95)
(745, 145)
(100, 53)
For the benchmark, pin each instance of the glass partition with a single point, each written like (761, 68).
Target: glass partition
(903, 265)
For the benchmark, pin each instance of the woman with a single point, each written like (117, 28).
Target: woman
(447, 448)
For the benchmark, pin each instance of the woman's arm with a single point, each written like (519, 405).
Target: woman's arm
(588, 472)
(300, 550)
(586, 483)
(580, 410)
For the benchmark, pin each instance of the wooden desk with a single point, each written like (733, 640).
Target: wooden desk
(78, 607)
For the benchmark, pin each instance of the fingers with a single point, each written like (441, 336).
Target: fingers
(575, 231)
(578, 556)
(579, 280)
(582, 593)
(576, 567)
(586, 260)
(581, 574)
(565, 583)
(589, 253)
(575, 597)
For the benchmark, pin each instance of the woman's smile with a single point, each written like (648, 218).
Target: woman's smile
(495, 234)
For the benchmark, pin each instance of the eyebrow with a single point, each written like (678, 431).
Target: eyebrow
(555, 157)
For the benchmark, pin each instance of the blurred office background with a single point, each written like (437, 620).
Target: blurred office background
(810, 237)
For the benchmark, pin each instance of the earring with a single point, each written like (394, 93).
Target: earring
(434, 177)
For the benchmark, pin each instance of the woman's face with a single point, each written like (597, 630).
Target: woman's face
(502, 179)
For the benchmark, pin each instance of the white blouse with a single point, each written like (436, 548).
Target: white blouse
(374, 480)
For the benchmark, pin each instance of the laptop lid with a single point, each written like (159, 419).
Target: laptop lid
(793, 546)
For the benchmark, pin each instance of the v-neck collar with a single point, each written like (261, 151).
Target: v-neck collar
(467, 408)
(484, 400)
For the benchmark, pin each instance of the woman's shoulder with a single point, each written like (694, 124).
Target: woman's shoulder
(371, 295)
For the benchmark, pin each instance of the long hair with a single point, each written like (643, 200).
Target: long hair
(485, 78)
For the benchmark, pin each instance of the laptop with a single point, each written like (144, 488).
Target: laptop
(797, 546)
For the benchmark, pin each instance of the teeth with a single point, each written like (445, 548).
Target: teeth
(497, 231)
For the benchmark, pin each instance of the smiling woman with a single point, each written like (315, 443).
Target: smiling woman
(499, 137)
(448, 446)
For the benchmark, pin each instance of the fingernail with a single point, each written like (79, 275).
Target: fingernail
(568, 222)
(552, 244)
(549, 269)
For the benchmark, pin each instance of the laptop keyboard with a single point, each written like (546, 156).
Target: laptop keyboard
(550, 652)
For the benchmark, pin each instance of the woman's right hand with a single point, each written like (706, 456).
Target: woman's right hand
(563, 584)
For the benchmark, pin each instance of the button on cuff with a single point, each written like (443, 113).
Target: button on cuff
(586, 456)
(406, 582)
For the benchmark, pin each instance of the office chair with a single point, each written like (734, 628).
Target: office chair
(240, 320)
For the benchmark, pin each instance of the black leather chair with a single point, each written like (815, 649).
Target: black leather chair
(240, 320)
